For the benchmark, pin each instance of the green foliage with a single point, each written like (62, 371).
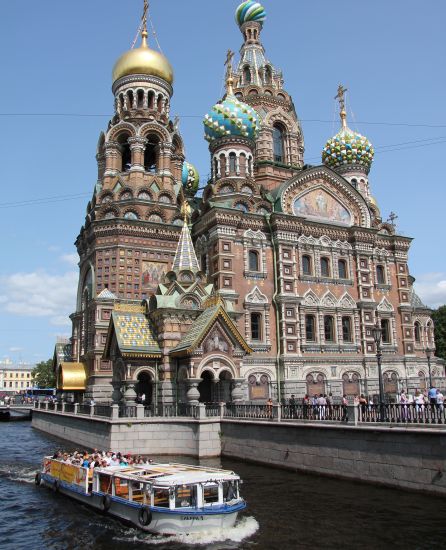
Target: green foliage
(439, 318)
(43, 375)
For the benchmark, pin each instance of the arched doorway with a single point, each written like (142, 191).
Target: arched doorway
(144, 388)
(206, 387)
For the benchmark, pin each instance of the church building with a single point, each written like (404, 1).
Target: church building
(265, 281)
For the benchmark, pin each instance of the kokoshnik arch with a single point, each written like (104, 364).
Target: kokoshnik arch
(268, 284)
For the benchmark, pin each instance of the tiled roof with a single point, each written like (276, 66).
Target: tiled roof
(134, 334)
(416, 302)
(201, 327)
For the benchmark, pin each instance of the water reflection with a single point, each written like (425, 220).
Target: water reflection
(286, 510)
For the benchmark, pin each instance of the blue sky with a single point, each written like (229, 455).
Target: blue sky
(57, 57)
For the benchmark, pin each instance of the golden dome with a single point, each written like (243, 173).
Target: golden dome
(373, 202)
(143, 60)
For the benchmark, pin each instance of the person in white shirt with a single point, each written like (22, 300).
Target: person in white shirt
(440, 401)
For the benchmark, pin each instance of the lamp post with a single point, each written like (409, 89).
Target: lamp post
(377, 335)
(429, 355)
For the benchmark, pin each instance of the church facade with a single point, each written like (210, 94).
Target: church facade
(268, 283)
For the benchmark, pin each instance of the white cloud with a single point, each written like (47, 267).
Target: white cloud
(39, 294)
(72, 259)
(15, 350)
(431, 288)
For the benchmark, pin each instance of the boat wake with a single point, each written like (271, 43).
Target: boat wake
(18, 473)
(243, 529)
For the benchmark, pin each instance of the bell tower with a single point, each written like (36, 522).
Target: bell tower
(280, 144)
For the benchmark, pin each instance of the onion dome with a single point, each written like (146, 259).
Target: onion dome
(348, 147)
(190, 178)
(250, 11)
(143, 60)
(231, 117)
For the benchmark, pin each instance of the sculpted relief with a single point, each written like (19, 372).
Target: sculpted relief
(216, 342)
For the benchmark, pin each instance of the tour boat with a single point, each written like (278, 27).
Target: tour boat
(166, 499)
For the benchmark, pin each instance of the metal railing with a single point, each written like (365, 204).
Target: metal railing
(264, 412)
(83, 409)
(332, 412)
(103, 410)
(212, 410)
(127, 411)
(410, 413)
(69, 407)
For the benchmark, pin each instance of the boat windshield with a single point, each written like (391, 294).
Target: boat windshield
(230, 490)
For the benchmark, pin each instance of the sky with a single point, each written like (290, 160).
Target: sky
(56, 58)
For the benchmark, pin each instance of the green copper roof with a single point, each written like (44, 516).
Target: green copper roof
(202, 326)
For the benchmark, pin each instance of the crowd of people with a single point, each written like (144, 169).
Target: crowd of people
(101, 459)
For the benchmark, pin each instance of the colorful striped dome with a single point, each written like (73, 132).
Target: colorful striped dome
(348, 147)
(250, 11)
(231, 117)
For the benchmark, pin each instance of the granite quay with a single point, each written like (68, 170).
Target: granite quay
(408, 451)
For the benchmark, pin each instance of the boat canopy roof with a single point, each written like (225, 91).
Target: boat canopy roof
(169, 474)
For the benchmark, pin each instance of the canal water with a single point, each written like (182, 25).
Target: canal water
(286, 511)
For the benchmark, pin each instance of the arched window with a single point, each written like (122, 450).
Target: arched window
(417, 332)
(253, 260)
(278, 144)
(354, 182)
(247, 75)
(347, 334)
(342, 269)
(215, 168)
(232, 163)
(159, 104)
(126, 154)
(385, 335)
(151, 154)
(130, 99)
(140, 99)
(256, 319)
(144, 196)
(325, 267)
(151, 100)
(268, 75)
(310, 328)
(329, 328)
(380, 277)
(306, 265)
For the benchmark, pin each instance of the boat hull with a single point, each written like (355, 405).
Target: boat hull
(162, 522)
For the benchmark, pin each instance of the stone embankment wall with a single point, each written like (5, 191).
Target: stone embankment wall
(411, 458)
(403, 457)
(162, 436)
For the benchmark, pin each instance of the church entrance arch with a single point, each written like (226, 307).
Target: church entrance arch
(206, 387)
(144, 388)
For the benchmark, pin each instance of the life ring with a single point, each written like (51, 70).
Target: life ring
(38, 479)
(56, 486)
(145, 516)
(105, 503)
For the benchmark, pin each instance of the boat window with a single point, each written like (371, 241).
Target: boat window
(137, 491)
(161, 497)
(121, 487)
(229, 491)
(105, 484)
(185, 496)
(210, 493)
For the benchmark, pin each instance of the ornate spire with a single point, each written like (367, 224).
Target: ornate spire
(185, 257)
(229, 77)
(342, 113)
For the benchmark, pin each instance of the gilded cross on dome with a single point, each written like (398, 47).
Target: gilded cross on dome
(229, 78)
(340, 96)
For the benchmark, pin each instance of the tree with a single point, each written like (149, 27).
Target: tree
(439, 318)
(43, 375)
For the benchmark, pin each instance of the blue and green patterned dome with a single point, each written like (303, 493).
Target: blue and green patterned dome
(231, 117)
(348, 147)
(190, 178)
(250, 11)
